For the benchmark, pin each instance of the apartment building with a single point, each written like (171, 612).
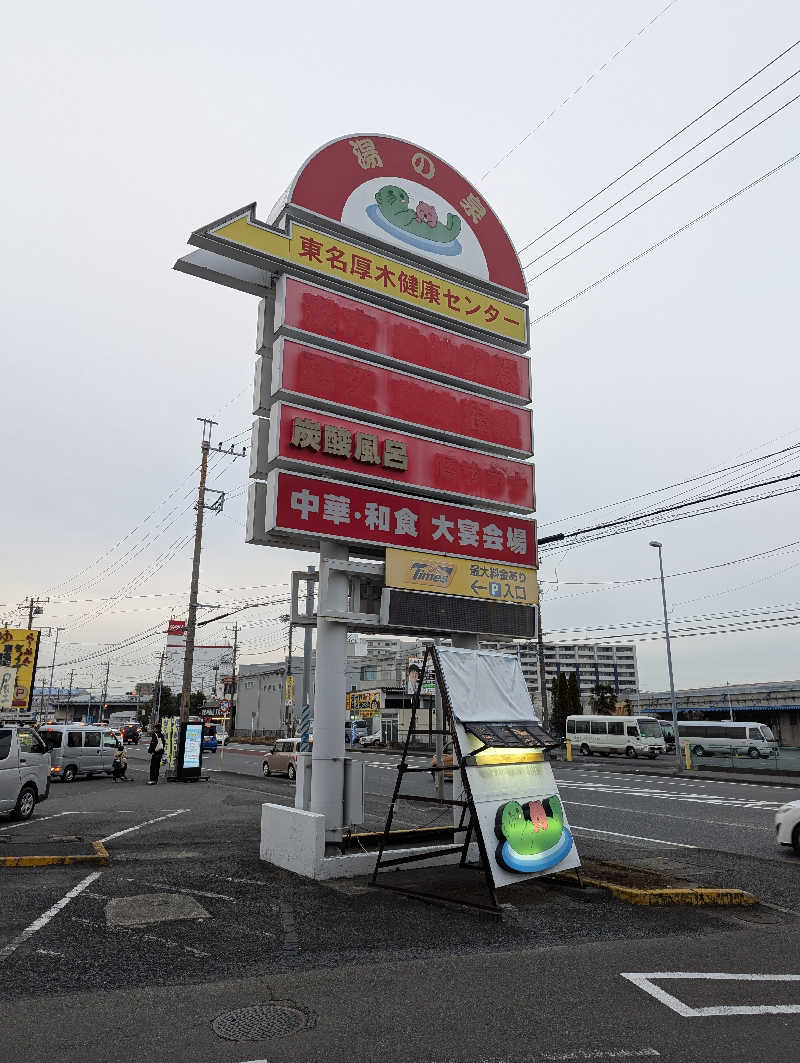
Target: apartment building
(592, 663)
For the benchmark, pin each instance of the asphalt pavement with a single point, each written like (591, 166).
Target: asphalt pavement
(187, 940)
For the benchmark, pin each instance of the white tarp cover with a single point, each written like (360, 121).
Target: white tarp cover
(486, 686)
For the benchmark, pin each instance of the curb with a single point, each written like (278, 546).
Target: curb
(694, 896)
(99, 857)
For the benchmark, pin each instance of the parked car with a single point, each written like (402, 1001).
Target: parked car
(282, 758)
(374, 739)
(79, 749)
(223, 737)
(210, 741)
(24, 770)
(131, 734)
(787, 825)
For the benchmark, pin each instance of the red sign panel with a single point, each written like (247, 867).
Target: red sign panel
(325, 509)
(334, 379)
(397, 192)
(359, 450)
(320, 312)
(176, 627)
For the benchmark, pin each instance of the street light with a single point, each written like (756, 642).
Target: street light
(657, 546)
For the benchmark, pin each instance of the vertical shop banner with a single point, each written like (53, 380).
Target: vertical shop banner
(19, 650)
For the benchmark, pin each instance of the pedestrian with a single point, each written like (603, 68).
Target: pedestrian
(120, 766)
(156, 751)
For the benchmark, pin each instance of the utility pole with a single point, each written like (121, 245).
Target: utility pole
(307, 641)
(105, 693)
(233, 678)
(35, 609)
(69, 695)
(52, 668)
(156, 714)
(188, 661)
(542, 670)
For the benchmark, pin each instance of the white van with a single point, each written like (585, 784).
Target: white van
(24, 770)
(707, 737)
(634, 736)
(79, 749)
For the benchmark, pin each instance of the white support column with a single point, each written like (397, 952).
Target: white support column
(327, 755)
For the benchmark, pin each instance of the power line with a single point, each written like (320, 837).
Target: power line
(581, 87)
(661, 191)
(669, 487)
(615, 583)
(663, 144)
(665, 239)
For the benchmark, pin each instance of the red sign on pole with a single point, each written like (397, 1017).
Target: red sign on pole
(320, 312)
(356, 450)
(310, 509)
(336, 381)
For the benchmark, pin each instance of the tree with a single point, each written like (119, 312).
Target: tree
(575, 707)
(604, 699)
(558, 717)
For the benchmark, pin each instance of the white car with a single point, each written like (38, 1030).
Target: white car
(374, 739)
(787, 825)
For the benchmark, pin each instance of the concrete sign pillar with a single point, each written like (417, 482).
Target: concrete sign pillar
(327, 752)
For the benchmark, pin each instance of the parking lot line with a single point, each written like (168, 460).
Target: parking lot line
(45, 918)
(146, 823)
(645, 981)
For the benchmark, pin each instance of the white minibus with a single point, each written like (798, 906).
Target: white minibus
(707, 737)
(632, 735)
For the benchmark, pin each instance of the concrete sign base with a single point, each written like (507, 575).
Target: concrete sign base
(295, 840)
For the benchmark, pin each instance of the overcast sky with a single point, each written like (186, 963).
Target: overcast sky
(124, 130)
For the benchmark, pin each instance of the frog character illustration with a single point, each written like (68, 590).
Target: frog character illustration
(533, 837)
(423, 222)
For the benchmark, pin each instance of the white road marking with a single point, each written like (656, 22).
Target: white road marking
(83, 812)
(663, 795)
(146, 823)
(45, 918)
(662, 815)
(635, 837)
(181, 889)
(49, 952)
(669, 780)
(147, 937)
(645, 981)
(602, 1053)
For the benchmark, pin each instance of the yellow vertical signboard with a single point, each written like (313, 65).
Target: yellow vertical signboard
(19, 649)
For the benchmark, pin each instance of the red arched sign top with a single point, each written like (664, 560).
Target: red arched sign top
(401, 194)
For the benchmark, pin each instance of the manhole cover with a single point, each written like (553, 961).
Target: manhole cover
(256, 1023)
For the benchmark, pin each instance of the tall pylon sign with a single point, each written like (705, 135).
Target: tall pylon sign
(392, 404)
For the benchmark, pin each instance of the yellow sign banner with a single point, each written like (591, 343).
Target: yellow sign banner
(342, 261)
(412, 570)
(363, 703)
(18, 651)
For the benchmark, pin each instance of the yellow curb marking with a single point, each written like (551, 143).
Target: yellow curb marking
(99, 857)
(690, 895)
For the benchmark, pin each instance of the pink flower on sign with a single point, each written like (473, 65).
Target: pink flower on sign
(426, 212)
